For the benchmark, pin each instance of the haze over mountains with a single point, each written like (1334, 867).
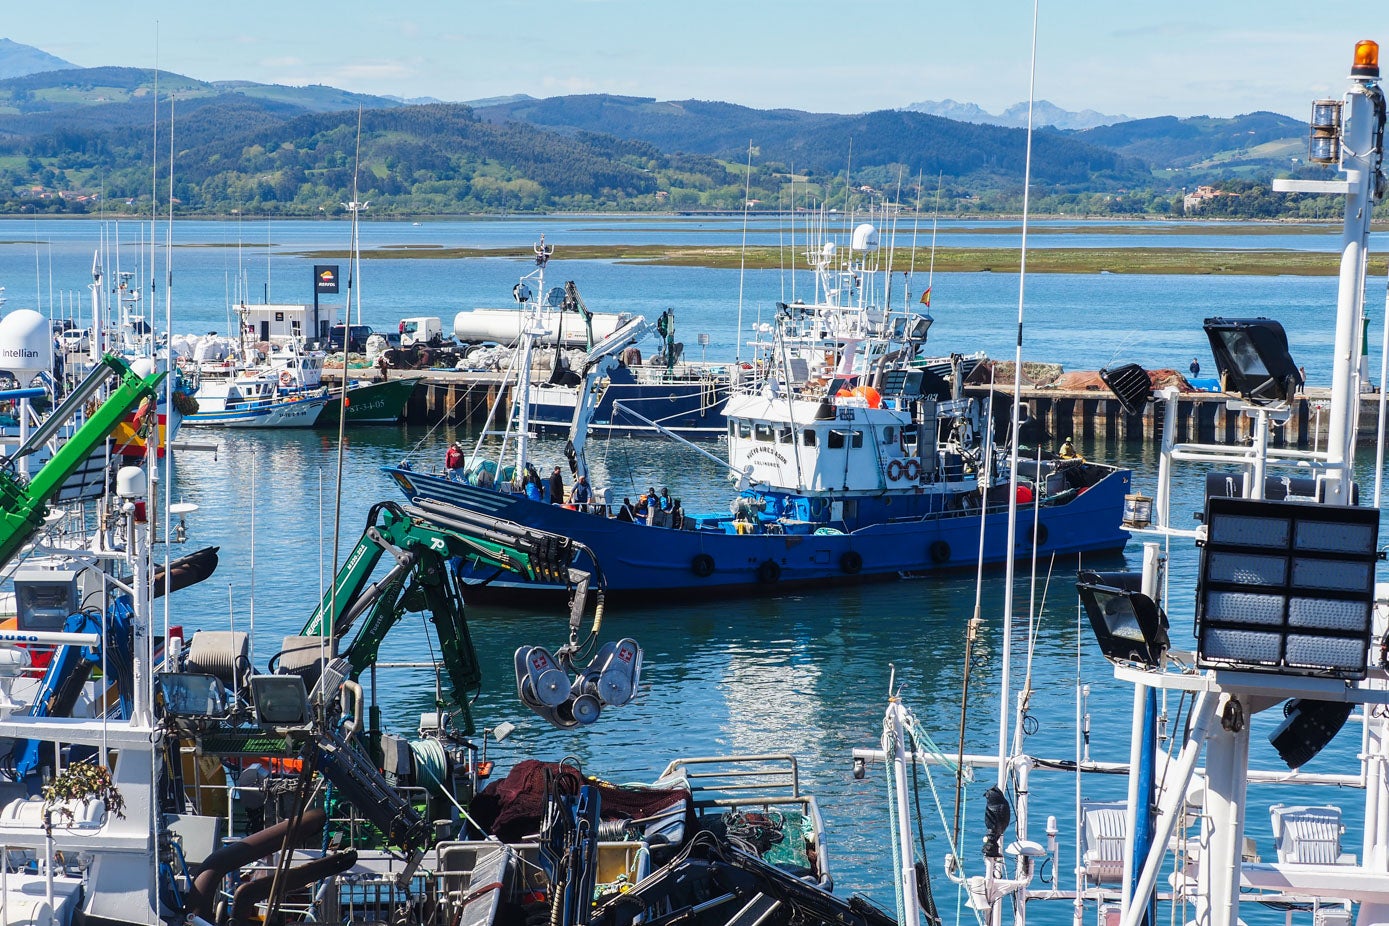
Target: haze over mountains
(1015, 116)
(71, 138)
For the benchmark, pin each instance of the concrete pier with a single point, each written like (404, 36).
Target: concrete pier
(1087, 416)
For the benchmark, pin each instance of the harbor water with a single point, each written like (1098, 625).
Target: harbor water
(806, 674)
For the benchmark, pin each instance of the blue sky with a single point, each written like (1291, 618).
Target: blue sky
(1174, 57)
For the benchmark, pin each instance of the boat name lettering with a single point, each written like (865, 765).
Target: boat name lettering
(846, 414)
(758, 452)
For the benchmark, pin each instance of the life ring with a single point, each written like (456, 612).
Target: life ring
(940, 552)
(768, 572)
(851, 562)
(286, 378)
(702, 565)
(912, 470)
(894, 471)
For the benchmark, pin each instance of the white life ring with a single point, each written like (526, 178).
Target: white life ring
(286, 378)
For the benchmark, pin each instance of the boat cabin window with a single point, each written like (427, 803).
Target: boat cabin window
(808, 437)
(785, 436)
(840, 439)
(762, 432)
(909, 436)
(744, 430)
(889, 434)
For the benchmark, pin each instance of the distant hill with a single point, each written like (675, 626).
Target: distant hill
(17, 60)
(1259, 141)
(1015, 116)
(499, 100)
(879, 143)
(75, 138)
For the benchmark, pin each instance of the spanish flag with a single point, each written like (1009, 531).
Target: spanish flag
(926, 297)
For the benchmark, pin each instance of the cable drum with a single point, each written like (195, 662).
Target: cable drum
(431, 764)
(222, 653)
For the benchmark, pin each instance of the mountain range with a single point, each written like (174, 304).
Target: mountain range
(1015, 116)
(71, 138)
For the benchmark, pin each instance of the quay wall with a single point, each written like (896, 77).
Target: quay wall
(463, 398)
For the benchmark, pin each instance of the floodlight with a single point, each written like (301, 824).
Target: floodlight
(281, 701)
(192, 694)
(1252, 357)
(1130, 384)
(1286, 587)
(1306, 729)
(1128, 625)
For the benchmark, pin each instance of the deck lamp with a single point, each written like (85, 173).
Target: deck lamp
(1131, 385)
(1366, 65)
(1252, 357)
(1286, 587)
(1128, 625)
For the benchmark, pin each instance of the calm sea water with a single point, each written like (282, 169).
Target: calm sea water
(802, 674)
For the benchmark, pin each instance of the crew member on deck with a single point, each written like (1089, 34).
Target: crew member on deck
(556, 487)
(1068, 450)
(579, 496)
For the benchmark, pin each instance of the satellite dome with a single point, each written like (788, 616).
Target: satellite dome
(26, 342)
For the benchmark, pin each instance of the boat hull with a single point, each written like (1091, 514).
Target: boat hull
(301, 414)
(371, 403)
(638, 561)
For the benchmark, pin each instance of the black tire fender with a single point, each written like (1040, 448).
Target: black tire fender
(702, 565)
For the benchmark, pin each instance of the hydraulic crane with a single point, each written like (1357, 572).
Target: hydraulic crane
(422, 579)
(23, 506)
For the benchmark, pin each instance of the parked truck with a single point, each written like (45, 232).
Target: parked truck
(427, 330)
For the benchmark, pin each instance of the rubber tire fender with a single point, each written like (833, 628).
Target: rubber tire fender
(769, 572)
(851, 562)
(702, 565)
(940, 552)
(1025, 535)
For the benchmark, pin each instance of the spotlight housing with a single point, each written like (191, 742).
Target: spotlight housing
(1128, 625)
(1252, 357)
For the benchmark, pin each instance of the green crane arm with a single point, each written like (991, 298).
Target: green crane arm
(23, 506)
(421, 580)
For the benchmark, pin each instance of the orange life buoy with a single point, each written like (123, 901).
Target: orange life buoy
(286, 378)
(912, 470)
(894, 470)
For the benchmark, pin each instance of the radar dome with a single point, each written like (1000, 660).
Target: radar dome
(26, 344)
(865, 238)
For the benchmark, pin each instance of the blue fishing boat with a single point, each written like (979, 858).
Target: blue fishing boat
(857, 456)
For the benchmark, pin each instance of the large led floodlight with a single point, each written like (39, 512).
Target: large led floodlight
(1252, 357)
(1286, 587)
(1128, 625)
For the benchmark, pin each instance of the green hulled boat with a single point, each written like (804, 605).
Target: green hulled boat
(369, 403)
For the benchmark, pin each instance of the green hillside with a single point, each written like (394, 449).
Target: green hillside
(78, 140)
